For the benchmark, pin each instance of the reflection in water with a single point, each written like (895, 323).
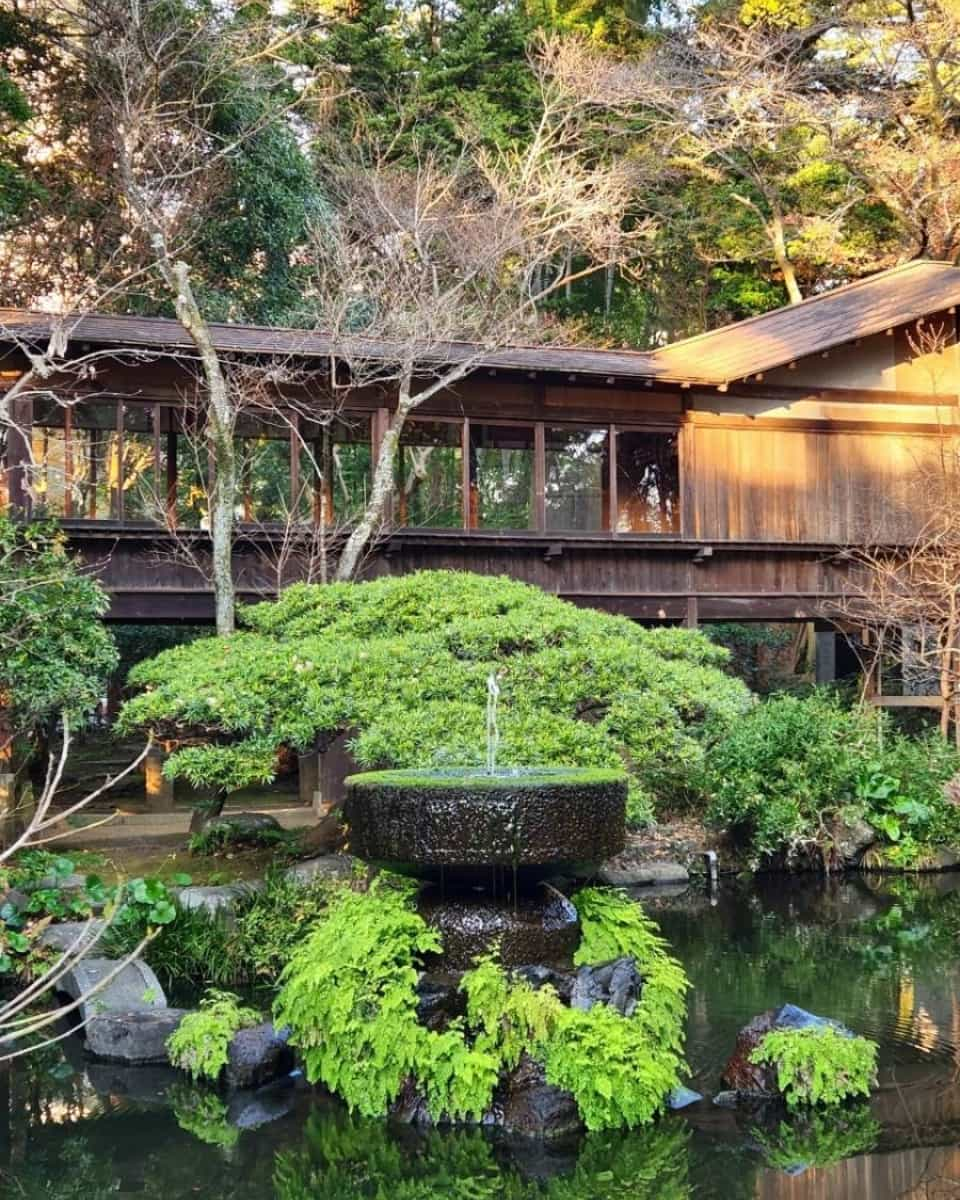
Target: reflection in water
(882, 957)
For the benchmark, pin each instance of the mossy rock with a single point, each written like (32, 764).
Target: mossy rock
(423, 819)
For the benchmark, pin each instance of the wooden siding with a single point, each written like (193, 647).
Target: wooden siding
(805, 485)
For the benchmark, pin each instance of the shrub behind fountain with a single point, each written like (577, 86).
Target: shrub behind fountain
(486, 842)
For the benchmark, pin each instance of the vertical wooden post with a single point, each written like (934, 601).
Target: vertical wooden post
(613, 502)
(466, 476)
(18, 455)
(539, 477)
(692, 619)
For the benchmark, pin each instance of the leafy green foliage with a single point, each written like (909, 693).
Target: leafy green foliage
(794, 766)
(204, 1114)
(621, 1070)
(819, 1065)
(199, 1043)
(349, 997)
(41, 875)
(404, 661)
(341, 1157)
(819, 1139)
(753, 648)
(222, 836)
(253, 947)
(55, 653)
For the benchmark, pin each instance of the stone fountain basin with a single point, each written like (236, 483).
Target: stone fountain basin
(414, 820)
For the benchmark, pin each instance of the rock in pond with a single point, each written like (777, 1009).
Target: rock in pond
(760, 1079)
(250, 1110)
(134, 1038)
(526, 1104)
(243, 828)
(216, 900)
(851, 839)
(683, 1097)
(627, 871)
(616, 983)
(439, 998)
(258, 1055)
(328, 867)
(134, 988)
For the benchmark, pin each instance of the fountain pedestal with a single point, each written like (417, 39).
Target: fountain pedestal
(485, 843)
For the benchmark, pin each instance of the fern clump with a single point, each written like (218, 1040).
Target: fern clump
(819, 1065)
(349, 997)
(203, 1114)
(621, 1069)
(199, 1043)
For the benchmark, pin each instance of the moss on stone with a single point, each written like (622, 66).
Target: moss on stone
(474, 778)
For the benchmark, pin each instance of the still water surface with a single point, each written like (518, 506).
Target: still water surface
(883, 957)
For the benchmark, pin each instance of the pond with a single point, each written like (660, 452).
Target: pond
(883, 956)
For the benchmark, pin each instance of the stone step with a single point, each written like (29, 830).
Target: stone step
(134, 988)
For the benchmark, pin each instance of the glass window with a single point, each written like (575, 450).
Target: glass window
(501, 477)
(335, 469)
(576, 482)
(648, 482)
(144, 491)
(47, 474)
(430, 475)
(263, 471)
(183, 468)
(95, 461)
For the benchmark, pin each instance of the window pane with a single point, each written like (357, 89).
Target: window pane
(501, 477)
(47, 475)
(576, 483)
(648, 483)
(263, 478)
(144, 491)
(430, 469)
(184, 468)
(96, 464)
(335, 468)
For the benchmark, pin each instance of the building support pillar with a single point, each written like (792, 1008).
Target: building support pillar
(159, 789)
(826, 656)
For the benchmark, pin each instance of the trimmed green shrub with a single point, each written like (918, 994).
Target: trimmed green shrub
(793, 767)
(403, 662)
(199, 1043)
(819, 1065)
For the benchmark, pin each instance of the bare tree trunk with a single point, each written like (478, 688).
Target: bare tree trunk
(381, 489)
(221, 421)
(783, 260)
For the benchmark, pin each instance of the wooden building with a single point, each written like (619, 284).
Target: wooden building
(715, 479)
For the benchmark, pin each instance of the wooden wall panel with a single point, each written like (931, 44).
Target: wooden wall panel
(804, 485)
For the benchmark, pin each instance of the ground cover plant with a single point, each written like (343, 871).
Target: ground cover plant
(250, 949)
(199, 1043)
(349, 998)
(820, 1065)
(794, 769)
(402, 664)
(36, 878)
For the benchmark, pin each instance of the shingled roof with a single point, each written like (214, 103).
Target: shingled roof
(870, 305)
(857, 310)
